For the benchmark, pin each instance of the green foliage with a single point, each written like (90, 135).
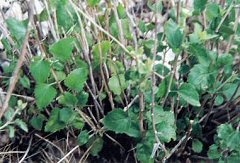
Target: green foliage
(103, 75)
(17, 29)
(44, 94)
(76, 79)
(119, 122)
(188, 93)
(40, 70)
(174, 34)
(62, 49)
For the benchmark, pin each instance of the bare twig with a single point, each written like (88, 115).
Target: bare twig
(26, 153)
(70, 152)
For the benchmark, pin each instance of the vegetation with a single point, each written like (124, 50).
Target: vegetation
(101, 82)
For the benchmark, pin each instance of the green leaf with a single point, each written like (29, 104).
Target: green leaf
(93, 3)
(11, 131)
(96, 144)
(66, 16)
(102, 49)
(201, 53)
(117, 84)
(199, 6)
(174, 34)
(44, 94)
(67, 115)
(83, 137)
(53, 123)
(162, 116)
(76, 79)
(62, 49)
(37, 122)
(218, 100)
(224, 131)
(197, 146)
(17, 29)
(82, 98)
(212, 11)
(68, 99)
(213, 152)
(22, 125)
(119, 122)
(188, 93)
(78, 123)
(234, 141)
(121, 11)
(40, 70)
(25, 82)
(199, 76)
(166, 132)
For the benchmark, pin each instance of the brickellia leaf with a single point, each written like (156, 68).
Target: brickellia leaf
(119, 122)
(44, 94)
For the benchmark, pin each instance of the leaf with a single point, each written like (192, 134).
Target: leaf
(62, 49)
(100, 49)
(25, 82)
(44, 94)
(67, 99)
(83, 137)
(201, 53)
(166, 132)
(82, 98)
(11, 131)
(40, 70)
(17, 29)
(117, 84)
(66, 115)
(78, 123)
(188, 93)
(119, 122)
(37, 122)
(162, 116)
(212, 11)
(234, 141)
(174, 34)
(96, 144)
(213, 152)
(76, 79)
(93, 3)
(53, 124)
(199, 6)
(22, 125)
(199, 76)
(218, 100)
(197, 146)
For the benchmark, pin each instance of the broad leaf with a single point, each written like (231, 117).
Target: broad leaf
(201, 53)
(174, 34)
(96, 144)
(199, 6)
(93, 3)
(44, 94)
(83, 137)
(53, 123)
(62, 49)
(117, 84)
(200, 77)
(166, 132)
(197, 146)
(188, 93)
(22, 125)
(76, 79)
(17, 29)
(40, 70)
(119, 122)
(37, 122)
